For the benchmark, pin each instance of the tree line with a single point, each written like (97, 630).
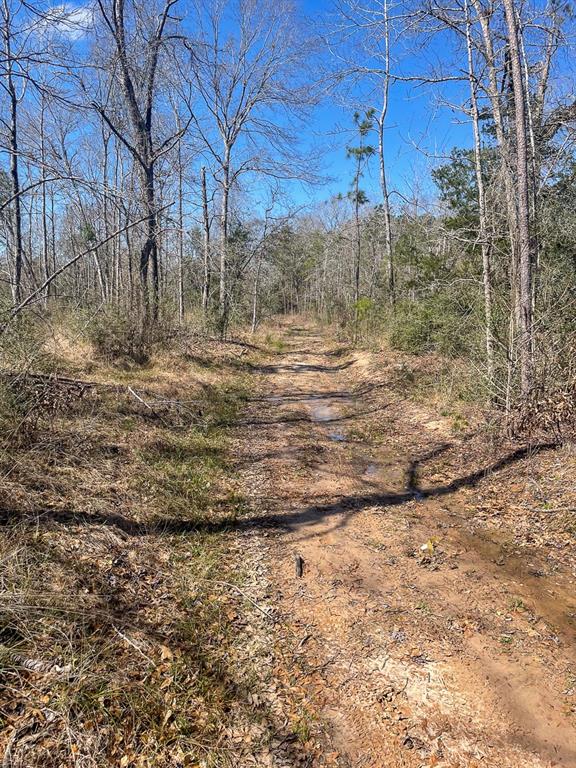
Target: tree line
(150, 152)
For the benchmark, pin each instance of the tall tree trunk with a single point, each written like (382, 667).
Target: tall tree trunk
(45, 246)
(323, 300)
(486, 244)
(223, 297)
(180, 237)
(525, 244)
(108, 277)
(509, 185)
(140, 116)
(535, 121)
(206, 245)
(131, 279)
(388, 253)
(149, 250)
(117, 243)
(17, 244)
(358, 248)
(255, 292)
(53, 238)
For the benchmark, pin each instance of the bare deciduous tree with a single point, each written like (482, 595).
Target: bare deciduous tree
(246, 63)
(138, 88)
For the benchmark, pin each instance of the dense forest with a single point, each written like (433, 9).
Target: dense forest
(214, 213)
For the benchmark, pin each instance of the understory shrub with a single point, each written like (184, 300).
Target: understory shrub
(438, 323)
(118, 336)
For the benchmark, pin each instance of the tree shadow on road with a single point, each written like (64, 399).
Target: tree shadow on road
(346, 505)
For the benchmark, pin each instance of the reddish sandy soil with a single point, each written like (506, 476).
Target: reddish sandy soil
(435, 620)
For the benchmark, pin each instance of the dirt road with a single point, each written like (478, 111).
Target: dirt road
(422, 637)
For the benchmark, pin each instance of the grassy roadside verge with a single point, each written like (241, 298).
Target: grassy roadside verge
(122, 636)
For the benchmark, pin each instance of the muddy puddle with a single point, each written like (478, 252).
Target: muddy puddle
(545, 599)
(538, 593)
(325, 411)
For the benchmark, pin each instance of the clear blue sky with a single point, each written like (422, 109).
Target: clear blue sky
(421, 130)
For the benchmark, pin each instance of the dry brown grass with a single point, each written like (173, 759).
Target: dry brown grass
(118, 644)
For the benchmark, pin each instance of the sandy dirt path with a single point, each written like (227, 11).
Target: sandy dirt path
(421, 642)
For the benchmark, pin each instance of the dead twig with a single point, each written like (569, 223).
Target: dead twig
(147, 405)
(132, 644)
(320, 667)
(266, 613)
